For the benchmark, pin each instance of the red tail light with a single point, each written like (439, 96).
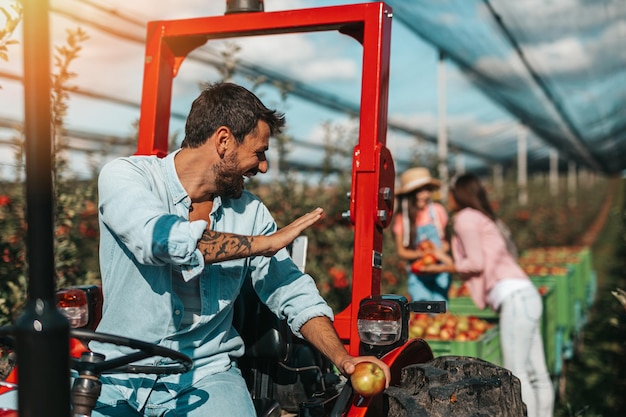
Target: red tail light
(72, 303)
(380, 322)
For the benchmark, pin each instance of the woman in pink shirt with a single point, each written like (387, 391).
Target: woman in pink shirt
(494, 279)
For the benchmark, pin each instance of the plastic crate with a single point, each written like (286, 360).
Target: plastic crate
(592, 288)
(550, 332)
(577, 259)
(588, 273)
(486, 347)
(565, 314)
(464, 306)
(581, 277)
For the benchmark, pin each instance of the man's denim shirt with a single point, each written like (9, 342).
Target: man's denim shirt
(145, 230)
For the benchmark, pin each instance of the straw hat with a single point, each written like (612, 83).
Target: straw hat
(415, 178)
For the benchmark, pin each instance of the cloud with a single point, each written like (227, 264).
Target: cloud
(562, 37)
(545, 19)
(333, 69)
(306, 57)
(426, 122)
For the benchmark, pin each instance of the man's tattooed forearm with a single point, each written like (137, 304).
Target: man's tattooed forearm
(223, 246)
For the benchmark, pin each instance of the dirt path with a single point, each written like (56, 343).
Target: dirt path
(591, 234)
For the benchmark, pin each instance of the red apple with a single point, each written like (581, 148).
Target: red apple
(368, 379)
(416, 331)
(451, 322)
(472, 334)
(417, 266)
(446, 334)
(429, 259)
(463, 324)
(480, 326)
(461, 337)
(420, 316)
(433, 330)
(426, 246)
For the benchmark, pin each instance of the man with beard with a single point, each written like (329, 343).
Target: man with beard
(178, 237)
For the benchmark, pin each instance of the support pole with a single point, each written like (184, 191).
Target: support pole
(522, 174)
(554, 172)
(442, 135)
(42, 332)
(571, 183)
(459, 164)
(498, 180)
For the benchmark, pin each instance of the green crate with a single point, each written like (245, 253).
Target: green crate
(586, 287)
(580, 276)
(589, 277)
(464, 306)
(550, 331)
(579, 264)
(487, 347)
(592, 288)
(586, 263)
(565, 314)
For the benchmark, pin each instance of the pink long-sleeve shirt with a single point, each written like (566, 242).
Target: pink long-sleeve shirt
(480, 254)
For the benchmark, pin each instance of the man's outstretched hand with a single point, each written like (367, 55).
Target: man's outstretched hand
(219, 246)
(287, 234)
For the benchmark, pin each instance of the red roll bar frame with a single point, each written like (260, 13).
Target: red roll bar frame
(170, 41)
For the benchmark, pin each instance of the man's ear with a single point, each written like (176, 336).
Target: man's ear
(223, 140)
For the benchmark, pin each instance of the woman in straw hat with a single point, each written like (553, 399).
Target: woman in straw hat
(419, 226)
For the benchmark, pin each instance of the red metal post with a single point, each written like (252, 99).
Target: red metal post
(373, 174)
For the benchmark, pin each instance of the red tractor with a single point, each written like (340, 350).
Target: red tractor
(285, 374)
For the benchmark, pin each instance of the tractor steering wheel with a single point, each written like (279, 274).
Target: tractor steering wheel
(124, 364)
(86, 387)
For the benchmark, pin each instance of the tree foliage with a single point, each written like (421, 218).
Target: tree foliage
(12, 18)
(75, 214)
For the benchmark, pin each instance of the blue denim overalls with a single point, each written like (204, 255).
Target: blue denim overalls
(429, 287)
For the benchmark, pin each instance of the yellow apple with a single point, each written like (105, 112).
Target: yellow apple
(368, 379)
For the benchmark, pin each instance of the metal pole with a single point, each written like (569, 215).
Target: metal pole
(554, 172)
(42, 333)
(522, 173)
(571, 183)
(442, 134)
(459, 163)
(498, 179)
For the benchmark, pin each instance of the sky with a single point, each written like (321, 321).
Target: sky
(330, 62)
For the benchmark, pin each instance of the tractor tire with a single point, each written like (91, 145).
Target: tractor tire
(458, 386)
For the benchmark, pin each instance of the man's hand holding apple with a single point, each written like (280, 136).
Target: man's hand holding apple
(369, 375)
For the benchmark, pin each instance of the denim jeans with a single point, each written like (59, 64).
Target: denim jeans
(522, 349)
(222, 394)
(428, 287)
